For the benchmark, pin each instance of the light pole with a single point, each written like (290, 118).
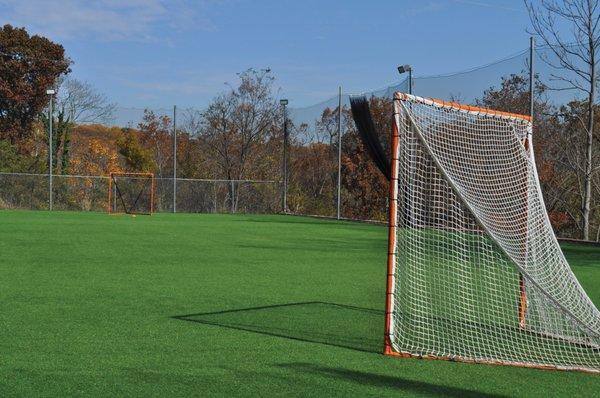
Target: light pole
(50, 93)
(407, 68)
(174, 158)
(284, 103)
(339, 176)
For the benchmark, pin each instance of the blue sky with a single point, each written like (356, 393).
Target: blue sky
(153, 53)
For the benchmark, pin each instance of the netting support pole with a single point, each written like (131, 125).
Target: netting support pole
(174, 158)
(527, 144)
(50, 117)
(339, 176)
(284, 103)
(531, 76)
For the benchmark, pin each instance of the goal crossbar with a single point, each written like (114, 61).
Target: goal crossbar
(474, 110)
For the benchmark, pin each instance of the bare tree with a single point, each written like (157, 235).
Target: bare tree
(76, 103)
(326, 127)
(568, 153)
(192, 121)
(576, 55)
(236, 123)
(312, 166)
(80, 103)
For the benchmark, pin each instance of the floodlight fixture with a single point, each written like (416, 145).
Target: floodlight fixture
(407, 68)
(404, 68)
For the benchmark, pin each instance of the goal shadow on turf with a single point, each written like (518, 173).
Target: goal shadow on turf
(337, 325)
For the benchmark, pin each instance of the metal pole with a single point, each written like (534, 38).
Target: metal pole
(285, 159)
(50, 117)
(529, 148)
(215, 197)
(339, 179)
(232, 196)
(410, 81)
(174, 158)
(531, 75)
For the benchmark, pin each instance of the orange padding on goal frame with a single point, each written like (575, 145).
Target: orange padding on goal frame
(456, 105)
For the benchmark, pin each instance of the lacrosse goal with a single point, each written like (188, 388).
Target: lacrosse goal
(475, 272)
(131, 193)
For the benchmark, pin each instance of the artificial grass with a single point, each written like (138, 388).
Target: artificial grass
(228, 305)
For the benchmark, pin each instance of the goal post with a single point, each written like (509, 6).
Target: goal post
(475, 273)
(130, 193)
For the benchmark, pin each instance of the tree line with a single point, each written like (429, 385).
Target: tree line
(239, 135)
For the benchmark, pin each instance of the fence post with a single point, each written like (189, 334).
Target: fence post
(215, 197)
(232, 196)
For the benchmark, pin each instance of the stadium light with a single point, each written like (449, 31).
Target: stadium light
(283, 102)
(407, 68)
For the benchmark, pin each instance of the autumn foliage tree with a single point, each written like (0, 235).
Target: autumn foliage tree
(156, 136)
(311, 188)
(29, 65)
(137, 158)
(313, 168)
(95, 150)
(365, 187)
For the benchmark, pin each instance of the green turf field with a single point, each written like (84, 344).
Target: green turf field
(204, 305)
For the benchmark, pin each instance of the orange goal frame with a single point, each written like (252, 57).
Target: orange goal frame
(392, 233)
(125, 174)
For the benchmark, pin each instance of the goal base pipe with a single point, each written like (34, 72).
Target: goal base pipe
(483, 361)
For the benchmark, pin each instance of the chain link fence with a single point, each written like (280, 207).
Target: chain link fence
(90, 193)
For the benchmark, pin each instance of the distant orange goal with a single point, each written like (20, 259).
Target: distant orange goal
(130, 193)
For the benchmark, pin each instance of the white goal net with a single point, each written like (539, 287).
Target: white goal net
(475, 271)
